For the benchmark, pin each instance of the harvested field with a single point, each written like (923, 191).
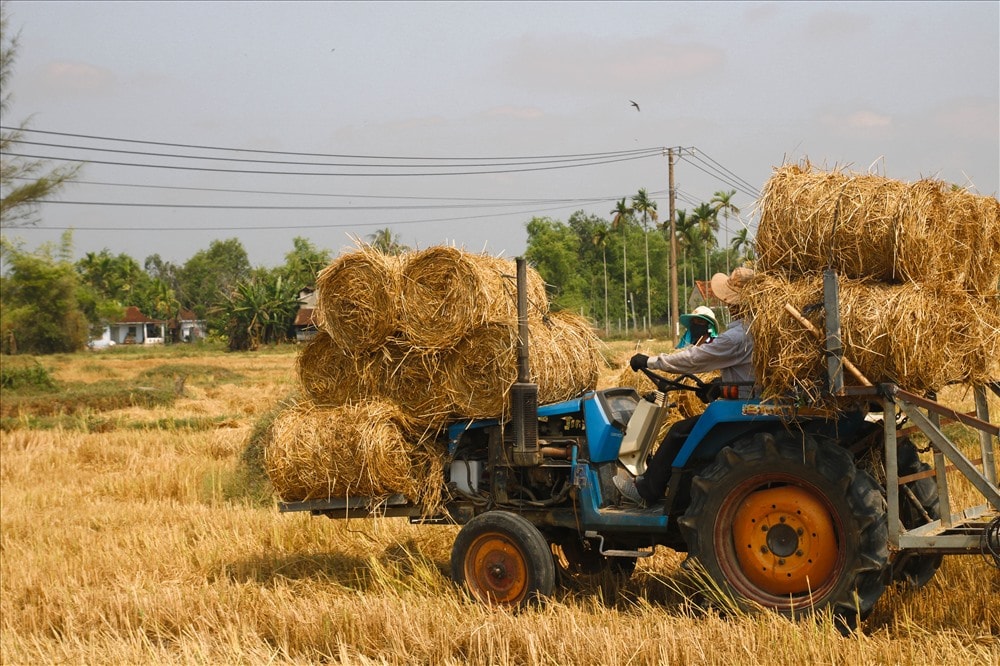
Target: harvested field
(145, 544)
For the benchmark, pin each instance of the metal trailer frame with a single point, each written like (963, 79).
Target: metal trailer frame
(962, 531)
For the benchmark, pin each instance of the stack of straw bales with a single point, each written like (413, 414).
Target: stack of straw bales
(920, 280)
(406, 345)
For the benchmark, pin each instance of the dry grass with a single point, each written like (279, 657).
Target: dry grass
(130, 547)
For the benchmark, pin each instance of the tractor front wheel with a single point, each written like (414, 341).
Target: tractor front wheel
(784, 522)
(503, 560)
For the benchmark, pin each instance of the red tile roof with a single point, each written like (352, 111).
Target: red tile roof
(304, 317)
(134, 316)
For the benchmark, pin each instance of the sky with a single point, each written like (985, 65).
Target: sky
(457, 123)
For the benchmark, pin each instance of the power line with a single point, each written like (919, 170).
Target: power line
(328, 174)
(714, 172)
(333, 195)
(335, 155)
(364, 165)
(289, 226)
(755, 193)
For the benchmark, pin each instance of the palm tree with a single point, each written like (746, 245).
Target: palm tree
(741, 242)
(622, 214)
(641, 203)
(722, 201)
(387, 241)
(685, 240)
(600, 239)
(707, 223)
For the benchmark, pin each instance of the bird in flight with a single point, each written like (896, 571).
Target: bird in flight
(635, 105)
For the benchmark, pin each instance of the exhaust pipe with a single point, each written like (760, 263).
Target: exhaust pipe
(524, 394)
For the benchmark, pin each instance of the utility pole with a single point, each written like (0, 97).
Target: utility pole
(674, 314)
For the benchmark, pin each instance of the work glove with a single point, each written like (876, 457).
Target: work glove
(638, 362)
(710, 391)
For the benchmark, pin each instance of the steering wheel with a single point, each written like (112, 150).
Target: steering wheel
(706, 391)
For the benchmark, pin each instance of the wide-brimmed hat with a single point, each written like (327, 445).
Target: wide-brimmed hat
(702, 312)
(727, 287)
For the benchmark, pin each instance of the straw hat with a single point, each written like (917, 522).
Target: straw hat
(727, 287)
(703, 312)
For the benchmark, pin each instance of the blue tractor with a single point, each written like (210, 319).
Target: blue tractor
(782, 506)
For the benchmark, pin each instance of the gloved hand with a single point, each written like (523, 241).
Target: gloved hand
(710, 391)
(638, 362)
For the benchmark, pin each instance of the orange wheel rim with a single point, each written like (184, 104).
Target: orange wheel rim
(785, 540)
(496, 569)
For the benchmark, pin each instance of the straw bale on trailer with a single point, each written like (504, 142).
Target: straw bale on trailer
(564, 360)
(565, 356)
(330, 374)
(365, 449)
(406, 345)
(921, 337)
(870, 227)
(446, 293)
(358, 298)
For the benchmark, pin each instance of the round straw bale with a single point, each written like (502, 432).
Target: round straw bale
(918, 336)
(415, 379)
(318, 452)
(358, 298)
(975, 224)
(331, 375)
(480, 370)
(564, 356)
(446, 293)
(870, 227)
(985, 362)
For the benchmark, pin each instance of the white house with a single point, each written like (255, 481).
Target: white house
(136, 328)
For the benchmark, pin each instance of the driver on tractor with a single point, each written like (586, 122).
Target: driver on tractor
(729, 353)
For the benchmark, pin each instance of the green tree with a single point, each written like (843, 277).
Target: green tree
(387, 241)
(600, 239)
(209, 276)
(722, 201)
(23, 182)
(707, 222)
(642, 204)
(159, 269)
(115, 278)
(260, 310)
(621, 216)
(304, 262)
(40, 310)
(743, 245)
(554, 251)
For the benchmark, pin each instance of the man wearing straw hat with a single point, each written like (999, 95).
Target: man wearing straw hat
(729, 353)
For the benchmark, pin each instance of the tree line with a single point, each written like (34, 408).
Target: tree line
(617, 271)
(54, 304)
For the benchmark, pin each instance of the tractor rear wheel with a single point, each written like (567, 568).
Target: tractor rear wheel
(784, 522)
(503, 560)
